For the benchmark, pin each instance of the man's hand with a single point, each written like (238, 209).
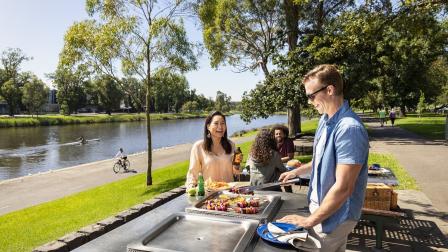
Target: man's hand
(287, 176)
(296, 220)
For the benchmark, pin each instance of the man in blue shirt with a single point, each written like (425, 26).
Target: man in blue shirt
(339, 165)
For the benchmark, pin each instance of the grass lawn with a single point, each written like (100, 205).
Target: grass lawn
(310, 126)
(26, 229)
(432, 127)
(406, 182)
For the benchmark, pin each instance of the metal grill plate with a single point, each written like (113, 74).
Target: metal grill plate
(189, 232)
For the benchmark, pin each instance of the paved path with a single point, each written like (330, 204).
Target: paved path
(425, 160)
(31, 190)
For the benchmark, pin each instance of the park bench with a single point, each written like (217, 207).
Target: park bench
(380, 218)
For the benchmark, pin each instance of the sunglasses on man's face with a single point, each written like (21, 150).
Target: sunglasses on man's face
(313, 95)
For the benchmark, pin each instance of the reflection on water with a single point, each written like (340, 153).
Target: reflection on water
(26, 151)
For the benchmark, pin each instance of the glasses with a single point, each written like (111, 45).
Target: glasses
(313, 95)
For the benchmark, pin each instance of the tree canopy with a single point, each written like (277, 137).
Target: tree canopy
(133, 39)
(384, 52)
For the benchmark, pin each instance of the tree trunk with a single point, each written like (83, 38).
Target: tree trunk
(11, 109)
(292, 19)
(320, 17)
(403, 110)
(264, 67)
(148, 120)
(294, 121)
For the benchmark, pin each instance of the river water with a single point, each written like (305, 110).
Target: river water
(25, 151)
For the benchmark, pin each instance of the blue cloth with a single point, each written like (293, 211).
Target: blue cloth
(346, 143)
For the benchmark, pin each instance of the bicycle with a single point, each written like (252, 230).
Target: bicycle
(122, 163)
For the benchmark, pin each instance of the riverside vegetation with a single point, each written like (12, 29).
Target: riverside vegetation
(48, 120)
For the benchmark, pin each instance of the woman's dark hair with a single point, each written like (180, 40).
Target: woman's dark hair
(208, 141)
(282, 128)
(263, 147)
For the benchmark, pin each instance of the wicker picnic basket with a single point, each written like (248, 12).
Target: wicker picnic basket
(379, 196)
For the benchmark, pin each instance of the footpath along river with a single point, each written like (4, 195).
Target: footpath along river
(31, 150)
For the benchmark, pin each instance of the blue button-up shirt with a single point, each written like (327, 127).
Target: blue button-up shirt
(346, 143)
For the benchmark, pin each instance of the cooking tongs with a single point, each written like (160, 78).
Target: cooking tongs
(250, 189)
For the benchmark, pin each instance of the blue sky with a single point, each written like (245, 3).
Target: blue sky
(38, 27)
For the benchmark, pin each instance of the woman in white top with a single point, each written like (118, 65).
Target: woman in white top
(213, 155)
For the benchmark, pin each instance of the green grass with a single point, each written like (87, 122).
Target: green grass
(310, 126)
(304, 159)
(46, 120)
(26, 229)
(244, 133)
(307, 127)
(406, 182)
(429, 126)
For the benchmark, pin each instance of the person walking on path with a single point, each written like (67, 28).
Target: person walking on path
(392, 116)
(339, 164)
(382, 116)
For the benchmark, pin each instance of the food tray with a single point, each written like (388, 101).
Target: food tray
(190, 232)
(269, 205)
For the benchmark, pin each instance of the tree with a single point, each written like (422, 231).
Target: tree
(249, 34)
(438, 78)
(190, 106)
(71, 89)
(222, 102)
(109, 94)
(140, 36)
(170, 90)
(138, 89)
(11, 60)
(281, 89)
(421, 106)
(204, 103)
(382, 53)
(260, 30)
(11, 93)
(243, 33)
(11, 80)
(35, 95)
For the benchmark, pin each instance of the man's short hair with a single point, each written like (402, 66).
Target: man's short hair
(282, 128)
(327, 75)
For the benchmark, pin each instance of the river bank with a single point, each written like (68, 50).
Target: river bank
(50, 120)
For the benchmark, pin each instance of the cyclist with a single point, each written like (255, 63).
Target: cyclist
(121, 158)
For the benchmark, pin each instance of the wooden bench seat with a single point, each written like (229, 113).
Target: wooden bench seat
(380, 218)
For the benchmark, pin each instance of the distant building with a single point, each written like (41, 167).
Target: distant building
(52, 105)
(4, 108)
(52, 99)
